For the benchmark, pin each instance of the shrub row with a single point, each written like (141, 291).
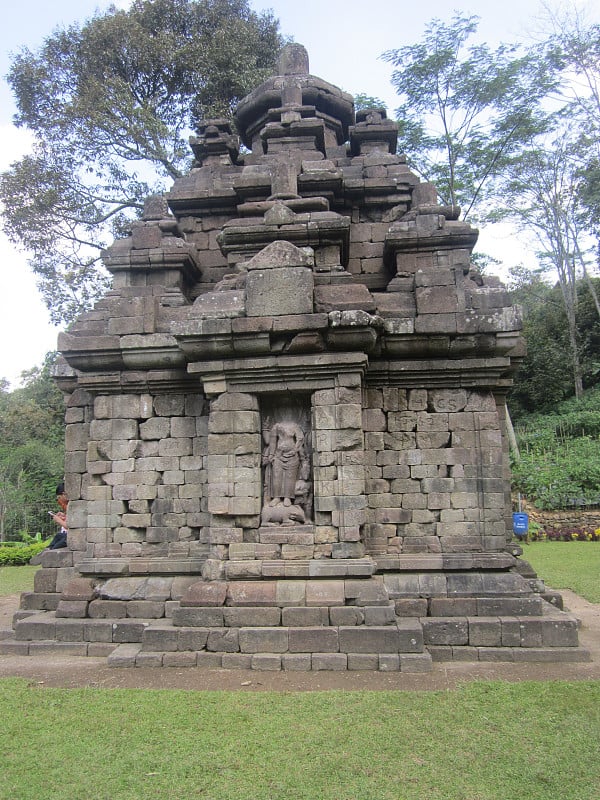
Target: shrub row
(14, 554)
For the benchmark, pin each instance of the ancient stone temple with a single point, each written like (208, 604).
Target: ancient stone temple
(285, 442)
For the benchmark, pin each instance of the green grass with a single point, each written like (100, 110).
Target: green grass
(16, 579)
(485, 741)
(568, 565)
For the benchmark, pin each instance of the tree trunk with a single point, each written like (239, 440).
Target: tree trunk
(510, 432)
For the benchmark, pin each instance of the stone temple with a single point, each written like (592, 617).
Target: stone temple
(285, 440)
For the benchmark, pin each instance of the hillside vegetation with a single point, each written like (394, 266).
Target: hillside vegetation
(559, 464)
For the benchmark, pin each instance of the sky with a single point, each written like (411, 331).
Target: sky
(344, 39)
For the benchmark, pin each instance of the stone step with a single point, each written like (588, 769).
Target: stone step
(46, 626)
(529, 606)
(405, 636)
(557, 630)
(268, 616)
(548, 655)
(39, 601)
(132, 655)
(51, 647)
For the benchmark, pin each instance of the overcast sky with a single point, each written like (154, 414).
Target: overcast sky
(344, 39)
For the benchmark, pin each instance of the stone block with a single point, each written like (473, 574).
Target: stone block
(510, 632)
(347, 615)
(146, 609)
(249, 593)
(453, 607)
(128, 631)
(416, 662)
(296, 662)
(160, 638)
(236, 661)
(69, 630)
(203, 594)
(291, 593)
(251, 617)
(389, 662)
(205, 660)
(509, 606)
(324, 593)
(287, 290)
(192, 638)
(313, 640)
(301, 616)
(411, 607)
(44, 581)
(97, 630)
(107, 609)
(360, 639)
(445, 631)
(180, 659)
(72, 608)
(485, 631)
(337, 662)
(560, 633)
(366, 592)
(263, 640)
(198, 617)
(363, 661)
(223, 640)
(269, 662)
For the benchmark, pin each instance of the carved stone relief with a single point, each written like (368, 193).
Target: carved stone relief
(287, 475)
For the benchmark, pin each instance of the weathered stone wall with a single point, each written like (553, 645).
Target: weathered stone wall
(564, 520)
(434, 473)
(136, 470)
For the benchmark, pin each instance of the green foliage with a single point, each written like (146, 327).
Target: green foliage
(111, 103)
(466, 109)
(559, 463)
(363, 102)
(546, 376)
(14, 554)
(31, 453)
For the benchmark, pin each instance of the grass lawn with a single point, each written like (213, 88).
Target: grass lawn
(17, 579)
(485, 741)
(568, 565)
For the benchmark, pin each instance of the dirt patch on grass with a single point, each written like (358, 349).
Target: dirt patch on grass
(75, 672)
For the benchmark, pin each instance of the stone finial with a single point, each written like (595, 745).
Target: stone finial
(155, 207)
(215, 142)
(293, 60)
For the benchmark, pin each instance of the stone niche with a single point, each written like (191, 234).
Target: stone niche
(285, 443)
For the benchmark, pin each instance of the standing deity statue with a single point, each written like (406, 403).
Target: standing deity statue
(285, 463)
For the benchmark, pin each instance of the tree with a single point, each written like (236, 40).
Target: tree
(545, 377)
(111, 102)
(541, 195)
(573, 48)
(466, 110)
(31, 451)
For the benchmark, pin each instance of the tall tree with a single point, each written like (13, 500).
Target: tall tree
(31, 451)
(545, 377)
(573, 48)
(541, 196)
(466, 109)
(111, 102)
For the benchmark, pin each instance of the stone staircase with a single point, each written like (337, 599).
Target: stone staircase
(303, 625)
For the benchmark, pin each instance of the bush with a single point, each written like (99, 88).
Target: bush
(559, 465)
(15, 554)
